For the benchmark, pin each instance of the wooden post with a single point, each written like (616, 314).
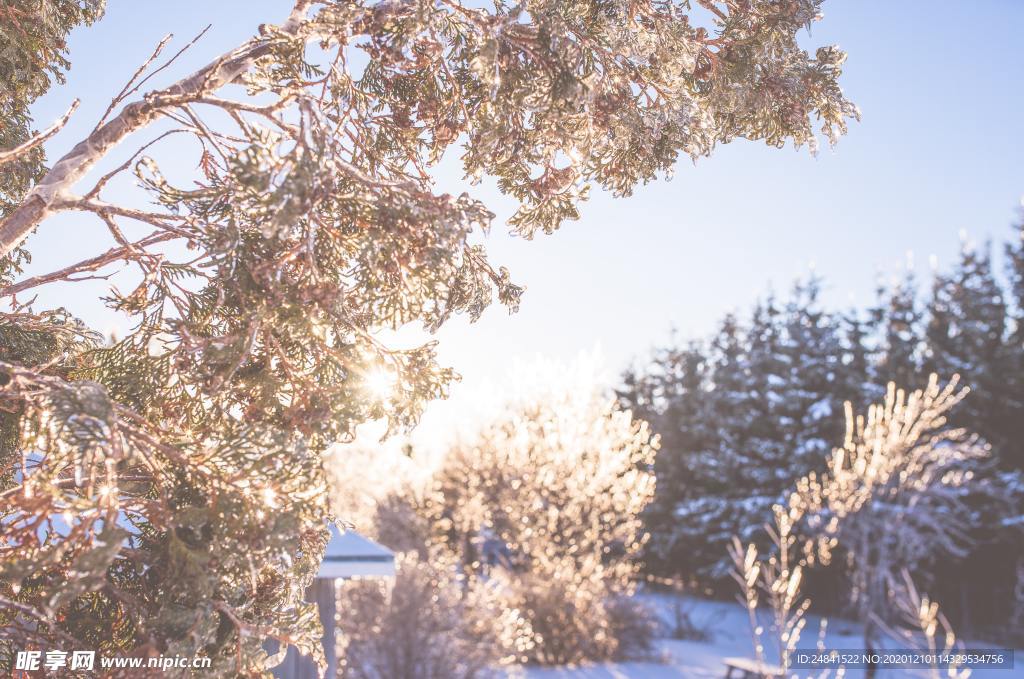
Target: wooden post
(326, 600)
(295, 666)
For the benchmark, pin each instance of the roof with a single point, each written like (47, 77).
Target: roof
(350, 555)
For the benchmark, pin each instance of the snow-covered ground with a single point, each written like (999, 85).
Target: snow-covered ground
(729, 636)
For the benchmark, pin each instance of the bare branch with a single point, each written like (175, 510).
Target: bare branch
(39, 138)
(95, 190)
(92, 264)
(710, 6)
(124, 93)
(66, 172)
(171, 60)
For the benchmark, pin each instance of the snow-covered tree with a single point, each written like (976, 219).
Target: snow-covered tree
(894, 497)
(164, 493)
(739, 425)
(672, 394)
(696, 399)
(901, 492)
(426, 625)
(966, 335)
(751, 465)
(900, 321)
(1012, 424)
(548, 502)
(858, 367)
(1015, 268)
(812, 352)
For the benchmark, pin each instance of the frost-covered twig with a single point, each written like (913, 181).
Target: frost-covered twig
(925, 628)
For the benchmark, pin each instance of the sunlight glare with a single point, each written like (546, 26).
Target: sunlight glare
(380, 383)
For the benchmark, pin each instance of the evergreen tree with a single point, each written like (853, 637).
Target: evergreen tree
(1012, 424)
(858, 379)
(705, 514)
(899, 318)
(673, 396)
(813, 352)
(736, 478)
(1015, 271)
(769, 387)
(762, 460)
(167, 492)
(965, 336)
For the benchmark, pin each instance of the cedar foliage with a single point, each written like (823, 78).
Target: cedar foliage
(164, 493)
(34, 55)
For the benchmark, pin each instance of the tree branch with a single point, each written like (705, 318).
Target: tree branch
(66, 172)
(51, 194)
(709, 5)
(125, 91)
(97, 262)
(37, 139)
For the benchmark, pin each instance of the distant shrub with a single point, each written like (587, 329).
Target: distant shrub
(635, 628)
(682, 625)
(425, 625)
(539, 514)
(546, 501)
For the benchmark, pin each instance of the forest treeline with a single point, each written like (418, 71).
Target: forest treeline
(744, 413)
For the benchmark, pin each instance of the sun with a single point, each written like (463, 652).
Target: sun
(380, 383)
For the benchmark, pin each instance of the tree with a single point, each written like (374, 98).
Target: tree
(1015, 269)
(547, 501)
(813, 354)
(166, 491)
(738, 427)
(899, 317)
(760, 454)
(901, 492)
(1013, 424)
(424, 626)
(34, 35)
(672, 395)
(702, 433)
(966, 334)
(858, 368)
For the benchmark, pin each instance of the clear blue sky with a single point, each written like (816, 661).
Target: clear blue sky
(940, 150)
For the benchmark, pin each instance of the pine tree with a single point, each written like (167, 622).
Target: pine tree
(965, 336)
(858, 377)
(167, 489)
(899, 317)
(672, 395)
(813, 353)
(704, 494)
(762, 469)
(739, 426)
(1011, 423)
(1015, 271)
(733, 481)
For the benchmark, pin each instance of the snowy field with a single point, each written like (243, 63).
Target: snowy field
(729, 636)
